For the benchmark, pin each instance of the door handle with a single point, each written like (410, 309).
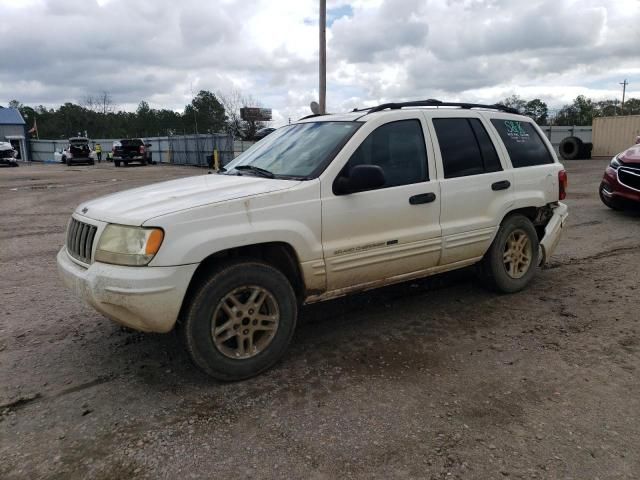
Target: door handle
(422, 198)
(503, 185)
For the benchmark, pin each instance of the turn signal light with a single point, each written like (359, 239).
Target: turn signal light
(154, 242)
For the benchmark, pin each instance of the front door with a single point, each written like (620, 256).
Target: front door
(372, 236)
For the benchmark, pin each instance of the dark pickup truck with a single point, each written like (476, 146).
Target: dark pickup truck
(131, 150)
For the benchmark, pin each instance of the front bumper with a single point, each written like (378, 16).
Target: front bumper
(553, 232)
(143, 298)
(616, 190)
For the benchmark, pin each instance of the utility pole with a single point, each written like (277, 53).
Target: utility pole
(624, 90)
(323, 56)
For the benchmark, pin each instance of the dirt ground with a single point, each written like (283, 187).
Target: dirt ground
(438, 378)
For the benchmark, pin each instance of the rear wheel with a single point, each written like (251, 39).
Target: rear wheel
(511, 261)
(126, 164)
(240, 320)
(116, 163)
(143, 162)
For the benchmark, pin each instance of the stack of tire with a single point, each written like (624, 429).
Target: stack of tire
(572, 148)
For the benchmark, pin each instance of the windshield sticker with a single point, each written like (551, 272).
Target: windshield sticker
(516, 132)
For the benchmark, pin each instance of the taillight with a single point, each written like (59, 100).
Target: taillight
(141, 149)
(562, 184)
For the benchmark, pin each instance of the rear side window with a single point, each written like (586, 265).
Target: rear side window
(524, 145)
(398, 148)
(465, 147)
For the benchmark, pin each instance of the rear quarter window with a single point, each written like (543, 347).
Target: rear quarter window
(524, 145)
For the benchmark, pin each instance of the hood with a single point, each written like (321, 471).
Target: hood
(134, 207)
(631, 155)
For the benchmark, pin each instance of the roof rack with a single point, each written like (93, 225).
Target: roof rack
(313, 115)
(437, 103)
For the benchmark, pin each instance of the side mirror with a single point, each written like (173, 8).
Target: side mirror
(360, 179)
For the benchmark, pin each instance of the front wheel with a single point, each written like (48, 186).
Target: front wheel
(512, 259)
(240, 320)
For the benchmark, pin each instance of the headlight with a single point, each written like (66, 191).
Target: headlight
(615, 163)
(134, 246)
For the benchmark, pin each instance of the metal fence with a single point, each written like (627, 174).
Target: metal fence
(199, 149)
(43, 150)
(179, 149)
(556, 134)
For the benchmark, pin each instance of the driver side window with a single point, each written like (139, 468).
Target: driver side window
(396, 147)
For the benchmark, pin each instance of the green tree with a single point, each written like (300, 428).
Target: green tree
(205, 113)
(537, 110)
(515, 102)
(632, 106)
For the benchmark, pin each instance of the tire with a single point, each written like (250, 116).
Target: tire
(126, 164)
(68, 162)
(494, 269)
(570, 148)
(143, 162)
(205, 310)
(609, 202)
(585, 151)
(92, 162)
(116, 163)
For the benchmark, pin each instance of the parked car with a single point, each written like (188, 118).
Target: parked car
(8, 155)
(78, 151)
(325, 207)
(130, 150)
(620, 187)
(263, 132)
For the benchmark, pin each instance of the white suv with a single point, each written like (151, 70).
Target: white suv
(325, 207)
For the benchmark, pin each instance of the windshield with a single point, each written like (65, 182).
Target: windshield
(298, 151)
(131, 143)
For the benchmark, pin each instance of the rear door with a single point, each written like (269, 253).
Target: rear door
(375, 235)
(535, 168)
(474, 184)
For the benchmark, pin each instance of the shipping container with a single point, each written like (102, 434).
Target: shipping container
(612, 135)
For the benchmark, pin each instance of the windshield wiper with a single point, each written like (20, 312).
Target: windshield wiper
(260, 171)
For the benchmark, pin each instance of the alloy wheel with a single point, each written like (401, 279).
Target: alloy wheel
(518, 254)
(245, 322)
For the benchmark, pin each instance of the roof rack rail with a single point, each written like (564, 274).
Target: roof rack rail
(437, 103)
(312, 115)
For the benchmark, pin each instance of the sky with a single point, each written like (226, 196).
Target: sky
(165, 51)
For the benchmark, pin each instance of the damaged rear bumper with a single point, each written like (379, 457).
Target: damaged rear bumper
(553, 232)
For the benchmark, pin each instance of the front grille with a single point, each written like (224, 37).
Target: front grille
(629, 177)
(80, 238)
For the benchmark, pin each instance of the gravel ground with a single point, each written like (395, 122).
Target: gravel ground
(431, 379)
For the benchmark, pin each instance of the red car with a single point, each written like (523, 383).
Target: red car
(620, 185)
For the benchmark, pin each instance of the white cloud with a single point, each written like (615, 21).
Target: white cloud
(54, 51)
